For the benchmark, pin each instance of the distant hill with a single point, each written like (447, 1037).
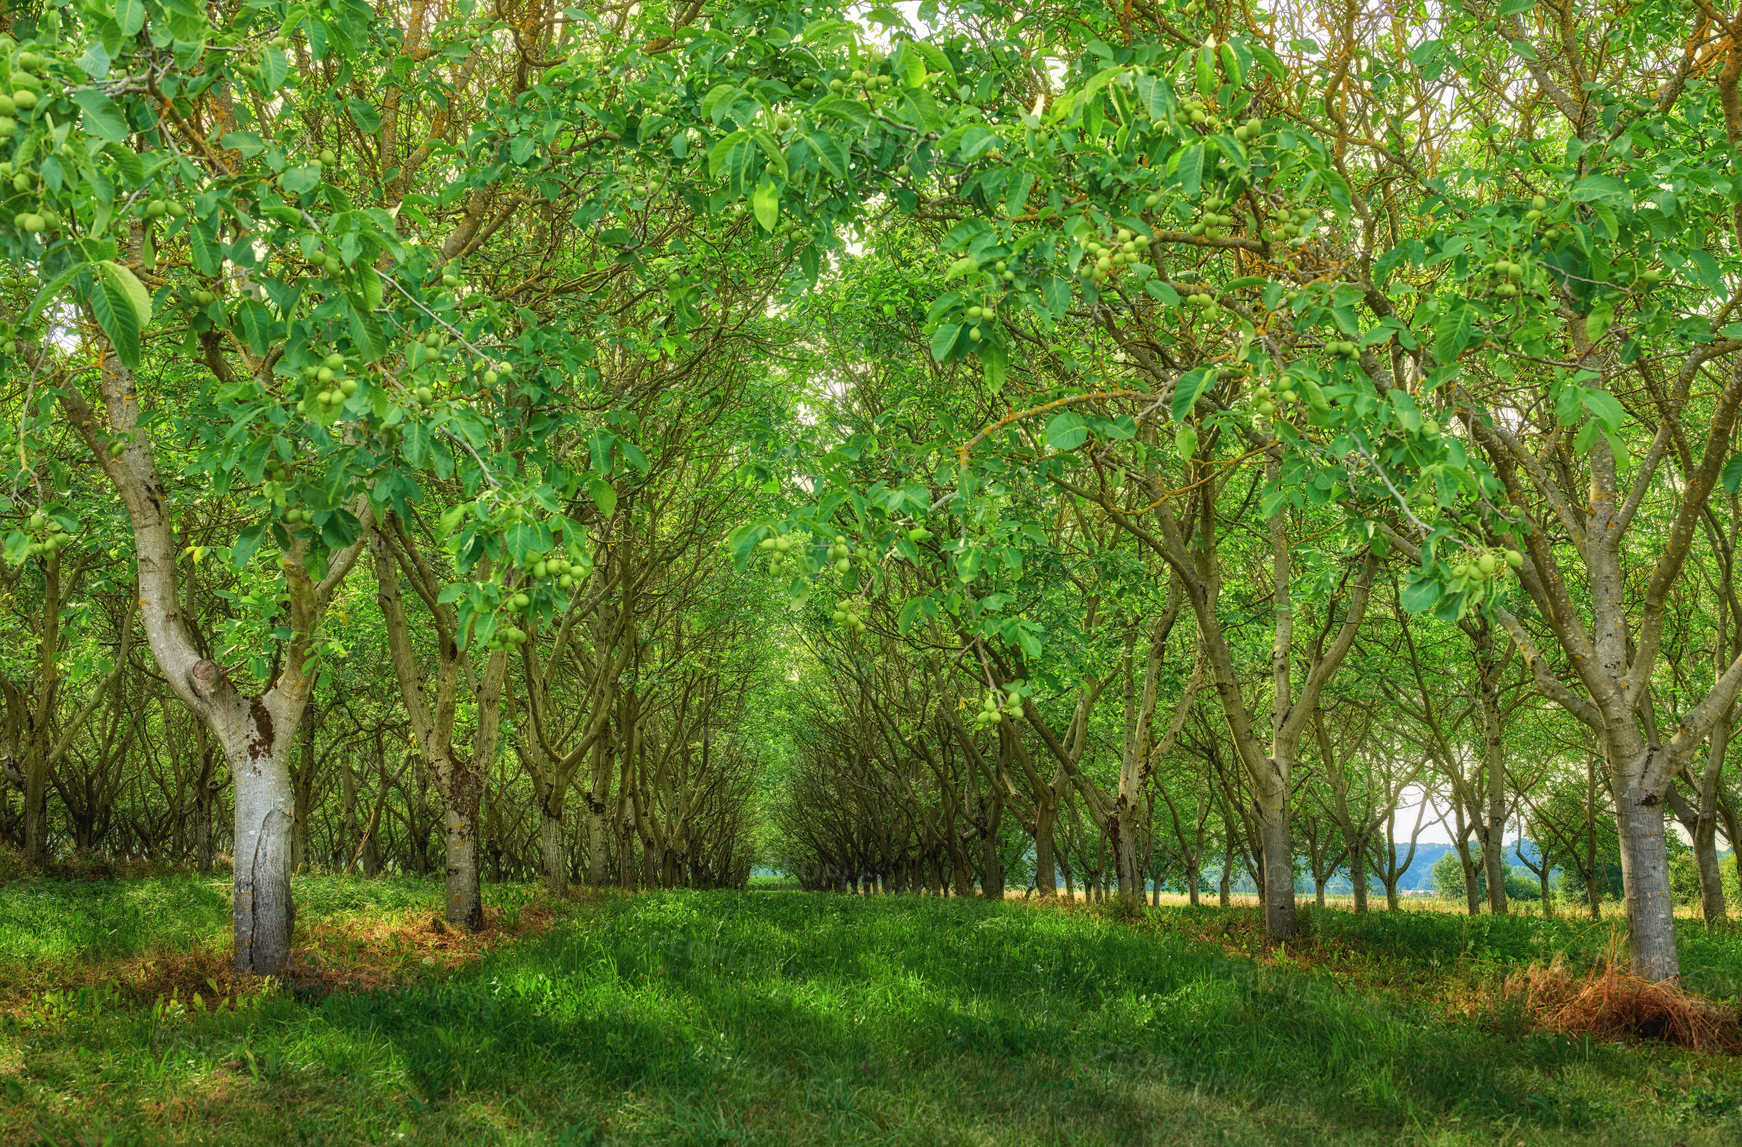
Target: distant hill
(1418, 877)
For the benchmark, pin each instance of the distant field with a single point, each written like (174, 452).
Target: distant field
(785, 1017)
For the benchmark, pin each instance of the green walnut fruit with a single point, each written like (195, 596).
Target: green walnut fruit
(328, 156)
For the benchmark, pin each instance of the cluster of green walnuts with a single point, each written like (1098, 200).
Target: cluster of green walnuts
(841, 554)
(277, 484)
(1104, 259)
(1484, 565)
(31, 86)
(25, 92)
(850, 614)
(994, 708)
(1267, 400)
(49, 537)
(783, 544)
(329, 374)
(1212, 223)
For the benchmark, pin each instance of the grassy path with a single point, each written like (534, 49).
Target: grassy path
(773, 1017)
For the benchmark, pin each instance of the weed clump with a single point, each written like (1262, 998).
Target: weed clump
(1609, 1003)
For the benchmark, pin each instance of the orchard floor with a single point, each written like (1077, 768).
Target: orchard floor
(785, 1017)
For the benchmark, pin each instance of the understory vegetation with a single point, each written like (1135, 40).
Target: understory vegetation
(788, 1017)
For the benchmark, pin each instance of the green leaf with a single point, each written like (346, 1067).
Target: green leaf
(450, 519)
(830, 153)
(115, 312)
(732, 155)
(604, 497)
(1732, 474)
(1706, 270)
(130, 16)
(208, 253)
(522, 542)
(765, 203)
(771, 148)
(273, 68)
(1190, 387)
(912, 612)
(364, 114)
(103, 118)
(247, 542)
(1602, 404)
(966, 265)
(1066, 431)
(1190, 170)
(1420, 594)
(1454, 331)
(943, 339)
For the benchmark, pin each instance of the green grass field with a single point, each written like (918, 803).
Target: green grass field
(784, 1017)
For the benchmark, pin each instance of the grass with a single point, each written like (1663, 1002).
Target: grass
(784, 1017)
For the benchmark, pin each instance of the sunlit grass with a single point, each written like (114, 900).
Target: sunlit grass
(782, 1017)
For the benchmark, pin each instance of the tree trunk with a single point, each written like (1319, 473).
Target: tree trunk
(1472, 894)
(1045, 864)
(1127, 859)
(1358, 874)
(1278, 849)
(961, 880)
(36, 797)
(1645, 877)
(598, 814)
(464, 889)
(598, 842)
(1711, 877)
(41, 715)
(626, 855)
(203, 848)
(551, 851)
(262, 909)
(553, 855)
(1494, 763)
(992, 874)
